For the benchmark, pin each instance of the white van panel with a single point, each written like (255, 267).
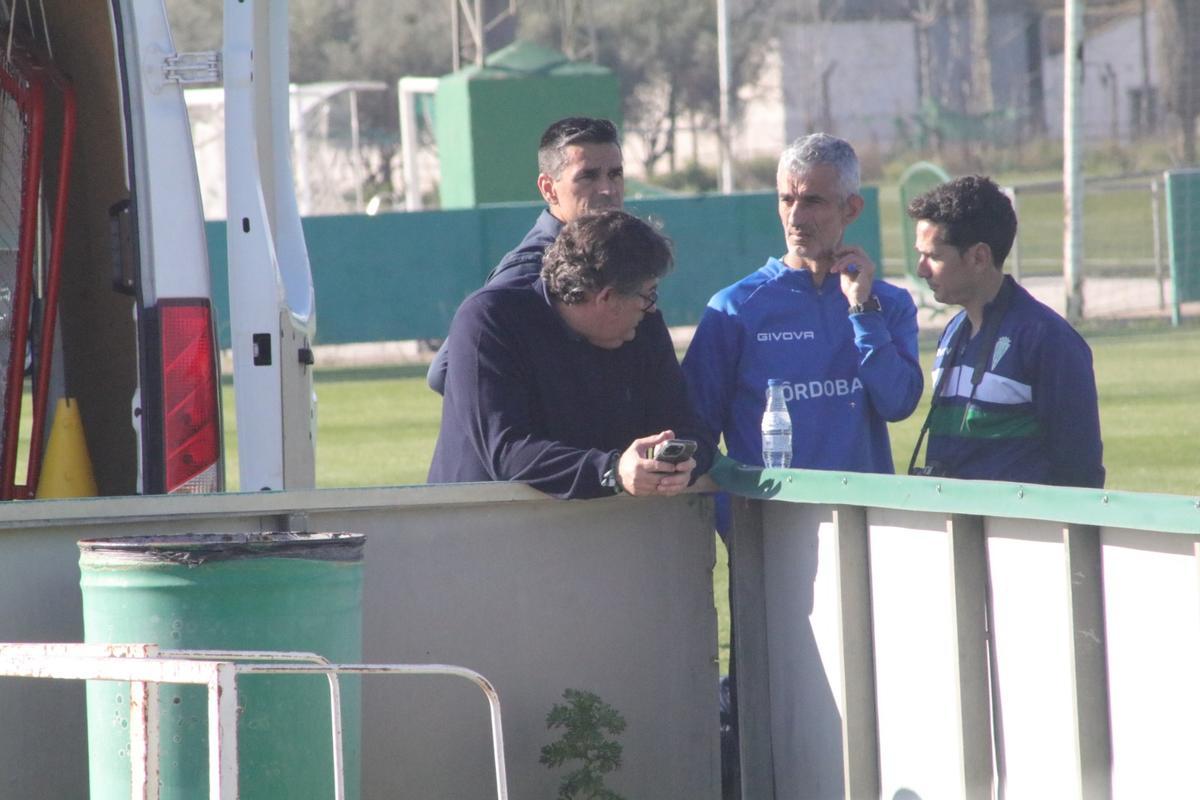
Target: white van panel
(272, 317)
(174, 253)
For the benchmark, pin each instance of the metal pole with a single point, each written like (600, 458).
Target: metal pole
(1073, 161)
(1156, 223)
(356, 152)
(455, 38)
(407, 90)
(591, 25)
(479, 31)
(723, 88)
(1147, 125)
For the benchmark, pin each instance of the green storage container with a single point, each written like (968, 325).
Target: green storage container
(257, 591)
(1183, 237)
(490, 119)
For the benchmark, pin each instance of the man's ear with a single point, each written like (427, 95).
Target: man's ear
(854, 207)
(545, 185)
(981, 253)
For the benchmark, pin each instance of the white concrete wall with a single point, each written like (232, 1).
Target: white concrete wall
(896, 637)
(611, 596)
(1117, 47)
(874, 78)
(979, 653)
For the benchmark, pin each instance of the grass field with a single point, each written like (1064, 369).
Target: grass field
(378, 426)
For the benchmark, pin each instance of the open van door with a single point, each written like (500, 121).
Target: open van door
(271, 303)
(135, 317)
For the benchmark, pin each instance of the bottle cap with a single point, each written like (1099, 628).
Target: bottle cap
(774, 382)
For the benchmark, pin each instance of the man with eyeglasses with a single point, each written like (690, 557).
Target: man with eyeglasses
(580, 169)
(558, 382)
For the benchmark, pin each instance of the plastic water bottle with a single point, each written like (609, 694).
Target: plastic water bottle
(776, 428)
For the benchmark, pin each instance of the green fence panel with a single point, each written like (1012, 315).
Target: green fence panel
(1183, 235)
(391, 276)
(402, 275)
(487, 113)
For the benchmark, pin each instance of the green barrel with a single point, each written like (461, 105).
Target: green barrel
(257, 591)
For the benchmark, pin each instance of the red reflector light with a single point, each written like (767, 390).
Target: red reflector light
(191, 411)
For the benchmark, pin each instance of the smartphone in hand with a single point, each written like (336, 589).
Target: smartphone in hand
(674, 451)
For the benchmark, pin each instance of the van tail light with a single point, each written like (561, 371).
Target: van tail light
(191, 404)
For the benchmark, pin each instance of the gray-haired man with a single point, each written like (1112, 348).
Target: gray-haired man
(843, 343)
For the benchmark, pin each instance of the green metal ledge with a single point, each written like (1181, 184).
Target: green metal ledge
(1135, 510)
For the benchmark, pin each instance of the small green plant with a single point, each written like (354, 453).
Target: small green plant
(587, 722)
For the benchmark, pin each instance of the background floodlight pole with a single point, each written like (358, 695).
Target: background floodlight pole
(723, 104)
(1073, 160)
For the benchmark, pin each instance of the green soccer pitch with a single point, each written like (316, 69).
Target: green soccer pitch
(378, 426)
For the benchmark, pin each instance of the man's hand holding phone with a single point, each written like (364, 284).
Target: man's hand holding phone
(657, 465)
(674, 451)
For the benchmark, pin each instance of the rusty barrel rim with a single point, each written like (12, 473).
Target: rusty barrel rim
(193, 549)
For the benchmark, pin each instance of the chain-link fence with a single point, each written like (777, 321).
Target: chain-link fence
(331, 157)
(1125, 267)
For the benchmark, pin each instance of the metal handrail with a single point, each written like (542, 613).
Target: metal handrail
(145, 666)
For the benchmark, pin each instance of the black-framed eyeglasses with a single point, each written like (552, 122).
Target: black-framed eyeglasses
(650, 300)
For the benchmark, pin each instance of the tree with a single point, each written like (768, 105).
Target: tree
(1179, 22)
(924, 14)
(665, 56)
(980, 99)
(379, 40)
(391, 39)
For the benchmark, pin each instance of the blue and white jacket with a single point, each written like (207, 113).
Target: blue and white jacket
(1033, 417)
(845, 376)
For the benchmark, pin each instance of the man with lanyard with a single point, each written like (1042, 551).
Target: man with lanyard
(1014, 390)
(580, 169)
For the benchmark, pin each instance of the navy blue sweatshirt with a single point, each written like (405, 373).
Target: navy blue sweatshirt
(1033, 417)
(521, 264)
(527, 399)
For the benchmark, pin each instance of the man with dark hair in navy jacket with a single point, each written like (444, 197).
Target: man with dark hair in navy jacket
(580, 169)
(1014, 391)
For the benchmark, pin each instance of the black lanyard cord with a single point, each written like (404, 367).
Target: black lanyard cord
(990, 331)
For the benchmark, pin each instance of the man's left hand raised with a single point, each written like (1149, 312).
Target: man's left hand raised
(857, 273)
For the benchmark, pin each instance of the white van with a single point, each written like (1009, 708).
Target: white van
(133, 337)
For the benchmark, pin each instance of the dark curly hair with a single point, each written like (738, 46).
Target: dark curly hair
(970, 210)
(568, 131)
(604, 248)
